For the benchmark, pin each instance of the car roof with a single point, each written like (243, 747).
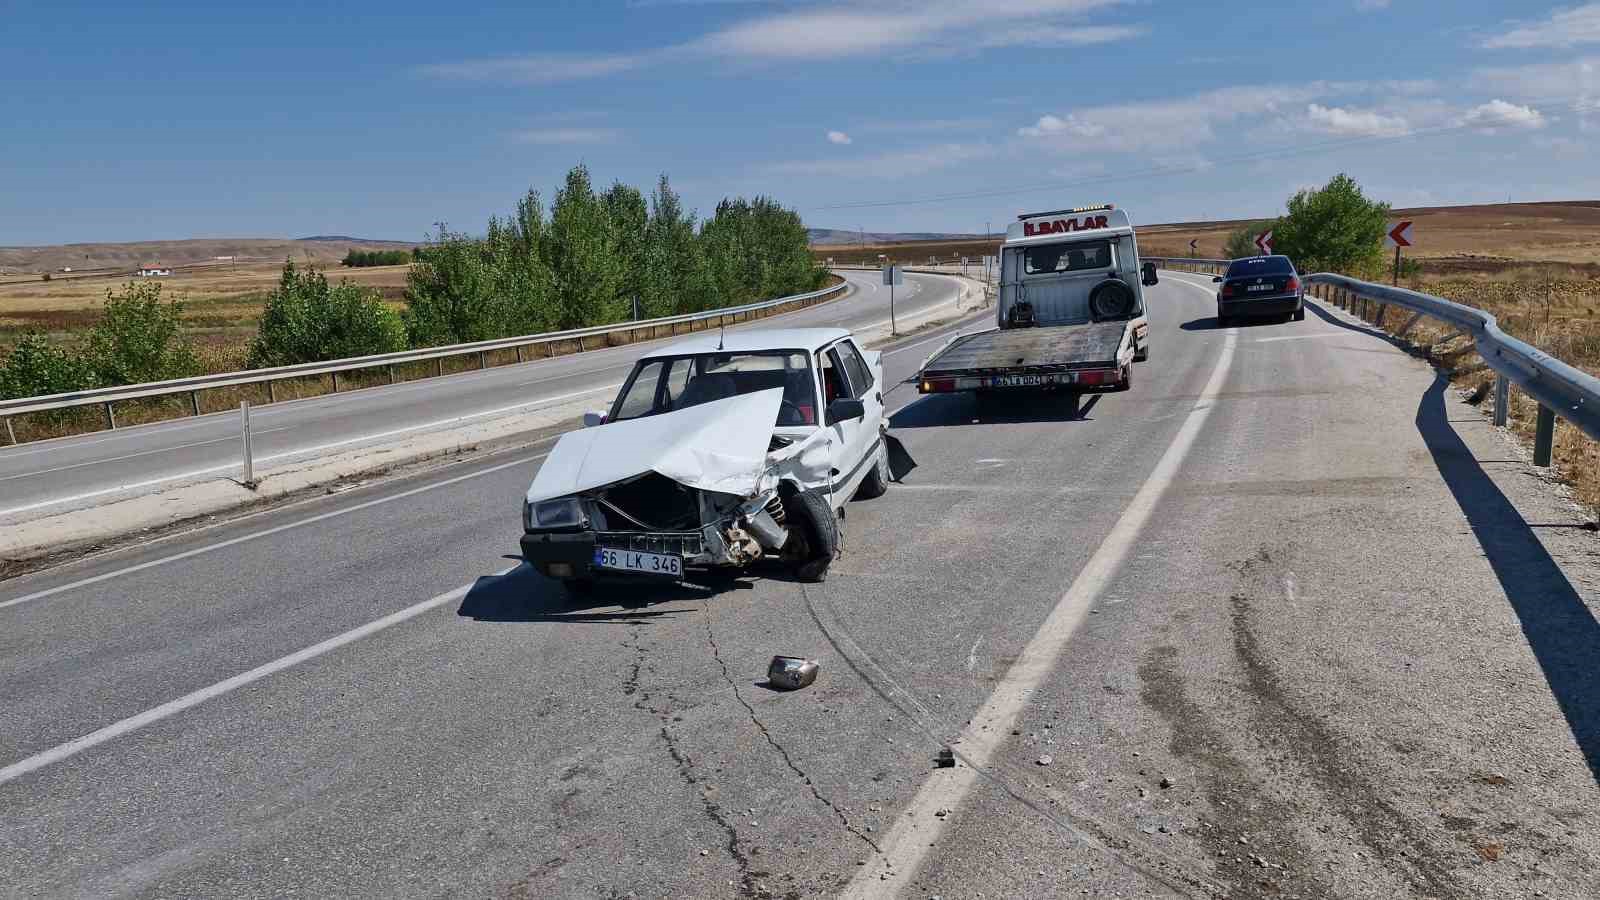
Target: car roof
(746, 340)
(1247, 259)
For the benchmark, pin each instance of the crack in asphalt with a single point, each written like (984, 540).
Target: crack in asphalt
(787, 759)
(748, 884)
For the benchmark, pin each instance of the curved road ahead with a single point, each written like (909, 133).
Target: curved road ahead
(1285, 619)
(67, 473)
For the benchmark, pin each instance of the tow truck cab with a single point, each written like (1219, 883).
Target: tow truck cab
(1071, 266)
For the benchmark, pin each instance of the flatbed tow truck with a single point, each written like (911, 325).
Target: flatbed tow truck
(1070, 318)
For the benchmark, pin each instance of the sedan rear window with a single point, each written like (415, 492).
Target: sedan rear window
(1260, 265)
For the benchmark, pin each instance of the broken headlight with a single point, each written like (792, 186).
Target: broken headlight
(552, 514)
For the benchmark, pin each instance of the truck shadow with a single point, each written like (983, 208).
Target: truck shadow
(943, 410)
(1560, 629)
(523, 595)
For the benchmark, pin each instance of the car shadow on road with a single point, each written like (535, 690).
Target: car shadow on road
(1560, 629)
(1210, 323)
(523, 595)
(943, 410)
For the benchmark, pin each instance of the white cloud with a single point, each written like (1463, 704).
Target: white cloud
(838, 137)
(1497, 114)
(568, 136)
(1156, 124)
(1349, 121)
(1563, 28)
(843, 29)
(538, 68)
(900, 164)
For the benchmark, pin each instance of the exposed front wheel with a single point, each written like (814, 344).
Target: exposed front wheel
(817, 542)
(1127, 379)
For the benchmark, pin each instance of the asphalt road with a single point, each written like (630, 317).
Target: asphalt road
(1284, 620)
(76, 472)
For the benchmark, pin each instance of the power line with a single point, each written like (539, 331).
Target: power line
(1579, 105)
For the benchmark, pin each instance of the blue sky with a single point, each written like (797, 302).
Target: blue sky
(172, 120)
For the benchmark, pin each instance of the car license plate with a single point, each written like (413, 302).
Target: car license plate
(1262, 287)
(1019, 380)
(634, 561)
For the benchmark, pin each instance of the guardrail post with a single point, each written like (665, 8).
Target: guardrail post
(336, 382)
(111, 417)
(390, 367)
(438, 366)
(194, 402)
(519, 353)
(1544, 436)
(483, 359)
(249, 452)
(10, 432)
(1381, 308)
(1502, 400)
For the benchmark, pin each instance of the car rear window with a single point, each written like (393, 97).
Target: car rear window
(1260, 265)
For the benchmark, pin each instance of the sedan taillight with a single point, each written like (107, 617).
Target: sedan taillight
(1293, 285)
(1227, 290)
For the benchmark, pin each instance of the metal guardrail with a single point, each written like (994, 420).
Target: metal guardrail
(192, 386)
(1561, 390)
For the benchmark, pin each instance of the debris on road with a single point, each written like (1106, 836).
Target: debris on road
(1167, 782)
(1046, 760)
(791, 673)
(946, 758)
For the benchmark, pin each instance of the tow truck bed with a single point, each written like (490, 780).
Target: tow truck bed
(1093, 356)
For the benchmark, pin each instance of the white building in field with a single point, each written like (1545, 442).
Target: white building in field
(154, 270)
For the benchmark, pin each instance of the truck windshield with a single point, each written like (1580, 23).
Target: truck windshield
(1071, 257)
(666, 384)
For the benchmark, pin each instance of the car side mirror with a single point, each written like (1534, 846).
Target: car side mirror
(1149, 274)
(845, 409)
(593, 417)
(1216, 279)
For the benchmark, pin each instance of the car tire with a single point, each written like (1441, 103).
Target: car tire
(1299, 314)
(810, 511)
(1224, 321)
(876, 484)
(1143, 353)
(1127, 380)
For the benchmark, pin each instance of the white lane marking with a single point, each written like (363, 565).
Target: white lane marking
(301, 451)
(907, 844)
(972, 655)
(173, 707)
(220, 545)
(1302, 337)
(111, 459)
(1290, 588)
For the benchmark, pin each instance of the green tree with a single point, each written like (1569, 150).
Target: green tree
(35, 367)
(630, 223)
(1333, 229)
(139, 338)
(581, 254)
(308, 320)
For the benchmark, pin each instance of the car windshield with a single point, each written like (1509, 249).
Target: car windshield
(1071, 257)
(1260, 265)
(666, 384)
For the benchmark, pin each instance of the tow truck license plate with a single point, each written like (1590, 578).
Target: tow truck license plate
(1020, 380)
(634, 561)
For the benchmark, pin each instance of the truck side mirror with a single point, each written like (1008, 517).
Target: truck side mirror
(1149, 274)
(593, 417)
(845, 409)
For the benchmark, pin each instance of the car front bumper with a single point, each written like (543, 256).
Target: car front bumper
(1260, 306)
(571, 554)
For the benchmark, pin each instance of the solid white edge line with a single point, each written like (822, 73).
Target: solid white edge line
(173, 707)
(907, 845)
(220, 545)
(301, 451)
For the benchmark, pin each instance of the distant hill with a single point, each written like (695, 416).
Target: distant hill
(322, 250)
(834, 237)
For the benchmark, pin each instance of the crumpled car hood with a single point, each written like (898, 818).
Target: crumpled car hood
(717, 446)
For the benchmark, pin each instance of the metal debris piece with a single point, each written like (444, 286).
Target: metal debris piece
(1046, 760)
(791, 673)
(946, 758)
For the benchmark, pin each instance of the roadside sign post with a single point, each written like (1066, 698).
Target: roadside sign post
(249, 454)
(892, 276)
(1399, 236)
(1194, 247)
(1264, 242)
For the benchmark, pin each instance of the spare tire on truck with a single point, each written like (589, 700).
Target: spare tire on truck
(1111, 299)
(813, 534)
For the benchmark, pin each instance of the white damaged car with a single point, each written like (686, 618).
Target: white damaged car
(718, 452)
